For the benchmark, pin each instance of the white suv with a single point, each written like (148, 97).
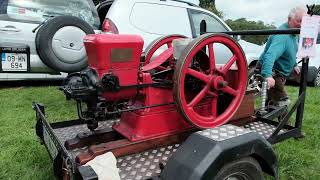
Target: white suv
(155, 18)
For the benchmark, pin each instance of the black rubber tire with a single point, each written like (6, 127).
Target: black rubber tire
(251, 71)
(44, 43)
(246, 168)
(103, 9)
(316, 81)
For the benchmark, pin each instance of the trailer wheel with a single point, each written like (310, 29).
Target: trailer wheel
(243, 169)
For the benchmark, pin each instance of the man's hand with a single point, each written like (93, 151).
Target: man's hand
(297, 70)
(270, 82)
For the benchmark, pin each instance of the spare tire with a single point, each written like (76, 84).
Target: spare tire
(59, 43)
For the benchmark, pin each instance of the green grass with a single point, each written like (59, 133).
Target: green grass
(22, 156)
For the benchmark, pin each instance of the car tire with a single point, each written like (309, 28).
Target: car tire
(251, 72)
(253, 82)
(103, 9)
(59, 43)
(246, 168)
(316, 81)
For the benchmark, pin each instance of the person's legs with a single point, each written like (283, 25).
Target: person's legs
(278, 94)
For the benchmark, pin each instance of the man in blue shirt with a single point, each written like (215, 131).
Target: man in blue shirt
(278, 59)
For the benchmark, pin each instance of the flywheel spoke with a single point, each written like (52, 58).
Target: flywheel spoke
(198, 75)
(198, 97)
(161, 68)
(230, 91)
(158, 43)
(214, 107)
(229, 64)
(211, 58)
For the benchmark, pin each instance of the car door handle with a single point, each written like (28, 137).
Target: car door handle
(9, 29)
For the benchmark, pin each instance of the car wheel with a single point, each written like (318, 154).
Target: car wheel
(243, 169)
(316, 81)
(103, 9)
(251, 75)
(59, 43)
(253, 82)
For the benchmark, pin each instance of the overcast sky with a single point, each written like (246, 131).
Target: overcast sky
(269, 11)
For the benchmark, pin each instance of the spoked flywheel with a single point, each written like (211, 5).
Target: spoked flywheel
(164, 45)
(206, 94)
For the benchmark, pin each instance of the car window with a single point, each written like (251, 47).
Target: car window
(213, 24)
(39, 10)
(221, 52)
(318, 38)
(160, 19)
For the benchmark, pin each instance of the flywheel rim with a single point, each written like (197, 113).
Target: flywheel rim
(214, 79)
(157, 43)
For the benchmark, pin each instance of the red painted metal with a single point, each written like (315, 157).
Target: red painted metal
(145, 125)
(163, 57)
(163, 43)
(117, 55)
(213, 81)
(152, 122)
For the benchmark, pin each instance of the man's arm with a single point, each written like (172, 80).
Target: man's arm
(275, 50)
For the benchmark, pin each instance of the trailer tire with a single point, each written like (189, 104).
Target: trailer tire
(245, 168)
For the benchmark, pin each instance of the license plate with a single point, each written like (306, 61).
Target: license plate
(52, 149)
(14, 61)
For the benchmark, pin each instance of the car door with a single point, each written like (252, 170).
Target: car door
(222, 53)
(15, 29)
(152, 20)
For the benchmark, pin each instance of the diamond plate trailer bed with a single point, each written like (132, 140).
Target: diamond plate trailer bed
(64, 143)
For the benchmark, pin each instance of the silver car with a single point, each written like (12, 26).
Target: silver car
(39, 39)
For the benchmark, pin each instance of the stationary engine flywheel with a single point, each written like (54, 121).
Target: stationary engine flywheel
(206, 94)
(164, 44)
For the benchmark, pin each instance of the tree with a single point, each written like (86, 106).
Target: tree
(243, 24)
(316, 10)
(239, 24)
(210, 5)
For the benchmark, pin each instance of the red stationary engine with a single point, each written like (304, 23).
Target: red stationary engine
(116, 60)
(160, 95)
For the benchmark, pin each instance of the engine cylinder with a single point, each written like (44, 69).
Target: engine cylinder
(116, 58)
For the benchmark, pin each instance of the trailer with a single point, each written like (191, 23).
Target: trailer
(172, 117)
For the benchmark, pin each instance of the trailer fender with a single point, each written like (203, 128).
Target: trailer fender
(206, 152)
